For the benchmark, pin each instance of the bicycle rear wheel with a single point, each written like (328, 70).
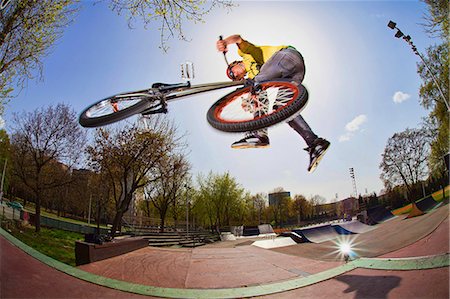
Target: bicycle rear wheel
(276, 101)
(114, 108)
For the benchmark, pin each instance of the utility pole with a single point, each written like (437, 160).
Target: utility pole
(3, 180)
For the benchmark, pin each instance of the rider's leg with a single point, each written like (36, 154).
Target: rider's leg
(302, 128)
(270, 70)
(291, 65)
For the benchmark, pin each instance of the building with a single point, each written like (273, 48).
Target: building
(275, 198)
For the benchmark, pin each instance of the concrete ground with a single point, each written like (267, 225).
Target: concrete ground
(237, 269)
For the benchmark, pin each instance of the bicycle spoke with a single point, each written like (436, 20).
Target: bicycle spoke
(283, 97)
(109, 106)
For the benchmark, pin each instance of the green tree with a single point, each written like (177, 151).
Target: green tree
(219, 201)
(28, 29)
(437, 59)
(170, 14)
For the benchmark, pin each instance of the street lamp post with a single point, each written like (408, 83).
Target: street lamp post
(3, 180)
(407, 38)
(187, 209)
(352, 176)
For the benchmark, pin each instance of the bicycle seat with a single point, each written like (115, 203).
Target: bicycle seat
(168, 86)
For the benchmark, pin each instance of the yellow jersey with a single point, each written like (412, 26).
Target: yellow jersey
(254, 57)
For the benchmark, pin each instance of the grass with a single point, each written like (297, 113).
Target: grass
(30, 207)
(55, 243)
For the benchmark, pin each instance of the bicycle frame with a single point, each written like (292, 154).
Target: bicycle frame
(175, 92)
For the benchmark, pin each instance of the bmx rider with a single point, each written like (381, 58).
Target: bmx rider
(262, 63)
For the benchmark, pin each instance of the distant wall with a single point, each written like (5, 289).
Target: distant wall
(67, 226)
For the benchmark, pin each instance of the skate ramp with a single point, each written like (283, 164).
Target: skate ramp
(355, 227)
(318, 234)
(378, 214)
(415, 211)
(386, 237)
(265, 229)
(426, 204)
(250, 231)
(274, 243)
(294, 236)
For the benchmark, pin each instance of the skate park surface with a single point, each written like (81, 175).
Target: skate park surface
(399, 258)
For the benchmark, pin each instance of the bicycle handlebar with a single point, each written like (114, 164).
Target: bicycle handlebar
(224, 52)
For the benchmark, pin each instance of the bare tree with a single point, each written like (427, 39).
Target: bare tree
(129, 156)
(257, 205)
(404, 161)
(300, 206)
(315, 202)
(171, 14)
(43, 140)
(28, 29)
(171, 174)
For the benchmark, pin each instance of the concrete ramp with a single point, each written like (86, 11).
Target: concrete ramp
(294, 236)
(426, 204)
(274, 243)
(355, 227)
(378, 214)
(318, 234)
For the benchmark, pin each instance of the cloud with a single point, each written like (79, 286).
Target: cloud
(2, 123)
(400, 97)
(356, 123)
(352, 127)
(345, 137)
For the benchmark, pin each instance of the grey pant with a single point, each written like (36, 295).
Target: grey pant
(288, 64)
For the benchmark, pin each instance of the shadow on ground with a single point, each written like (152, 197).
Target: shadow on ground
(369, 286)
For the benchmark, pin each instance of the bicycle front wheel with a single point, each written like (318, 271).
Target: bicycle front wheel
(115, 108)
(240, 111)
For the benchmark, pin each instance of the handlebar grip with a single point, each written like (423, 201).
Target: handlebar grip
(224, 52)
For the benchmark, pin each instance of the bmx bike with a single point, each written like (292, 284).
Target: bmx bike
(242, 110)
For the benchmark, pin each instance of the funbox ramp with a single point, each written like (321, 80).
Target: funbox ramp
(354, 226)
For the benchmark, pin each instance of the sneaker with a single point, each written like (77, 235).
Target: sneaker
(252, 141)
(316, 152)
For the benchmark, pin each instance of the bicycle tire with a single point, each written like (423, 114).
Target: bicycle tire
(141, 102)
(286, 112)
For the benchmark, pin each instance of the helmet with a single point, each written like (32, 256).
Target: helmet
(230, 73)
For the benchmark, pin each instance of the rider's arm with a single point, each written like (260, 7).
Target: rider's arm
(232, 39)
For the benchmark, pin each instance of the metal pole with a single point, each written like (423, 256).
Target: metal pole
(187, 212)
(3, 180)
(89, 213)
(407, 38)
(434, 79)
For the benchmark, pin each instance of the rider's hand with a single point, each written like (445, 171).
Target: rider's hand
(254, 87)
(249, 82)
(221, 45)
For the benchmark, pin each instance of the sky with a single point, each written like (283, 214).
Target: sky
(362, 83)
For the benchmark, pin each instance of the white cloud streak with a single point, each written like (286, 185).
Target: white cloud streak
(400, 97)
(352, 127)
